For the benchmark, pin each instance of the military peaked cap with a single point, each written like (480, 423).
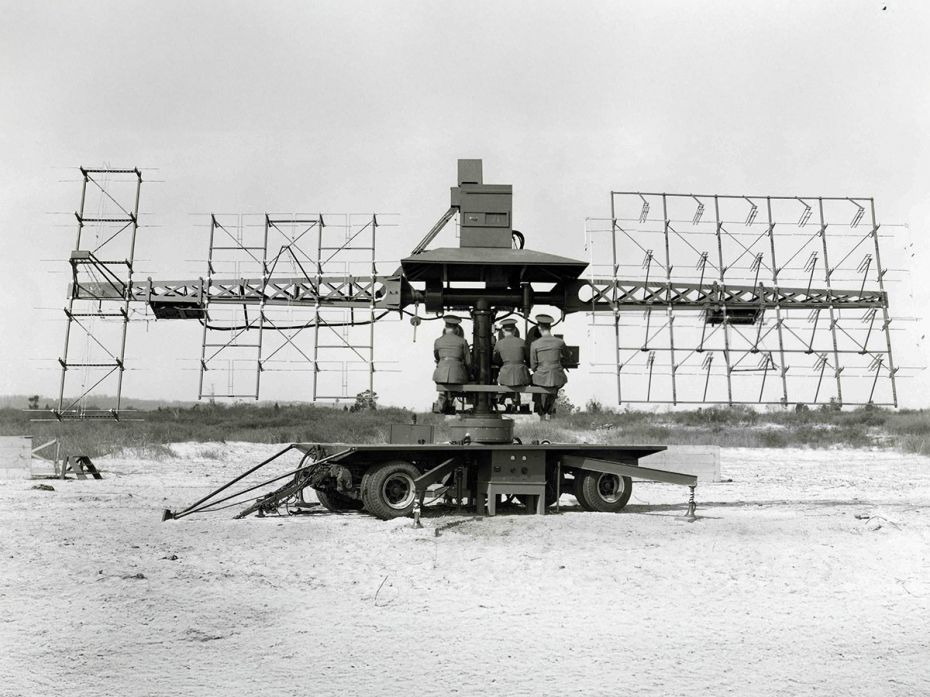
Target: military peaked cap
(544, 320)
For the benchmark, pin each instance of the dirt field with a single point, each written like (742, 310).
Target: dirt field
(809, 573)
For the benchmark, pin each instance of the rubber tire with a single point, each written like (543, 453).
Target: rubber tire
(372, 484)
(363, 490)
(336, 502)
(579, 493)
(592, 497)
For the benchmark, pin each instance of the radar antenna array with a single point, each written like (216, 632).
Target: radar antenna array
(766, 300)
(275, 317)
(708, 298)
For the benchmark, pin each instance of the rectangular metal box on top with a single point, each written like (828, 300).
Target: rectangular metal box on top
(411, 433)
(485, 210)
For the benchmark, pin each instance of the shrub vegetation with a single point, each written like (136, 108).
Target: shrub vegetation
(152, 431)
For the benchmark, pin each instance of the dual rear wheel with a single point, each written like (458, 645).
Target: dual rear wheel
(603, 492)
(387, 491)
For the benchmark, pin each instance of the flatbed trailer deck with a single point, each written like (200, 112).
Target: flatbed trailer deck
(390, 480)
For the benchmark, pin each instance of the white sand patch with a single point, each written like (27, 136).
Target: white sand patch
(808, 573)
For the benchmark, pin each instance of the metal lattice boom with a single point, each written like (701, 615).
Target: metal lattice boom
(709, 298)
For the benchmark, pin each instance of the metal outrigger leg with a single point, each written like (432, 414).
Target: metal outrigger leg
(692, 506)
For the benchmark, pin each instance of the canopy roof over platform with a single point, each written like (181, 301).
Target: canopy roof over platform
(481, 264)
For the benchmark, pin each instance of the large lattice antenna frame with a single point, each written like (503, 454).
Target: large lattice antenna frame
(263, 322)
(101, 264)
(767, 300)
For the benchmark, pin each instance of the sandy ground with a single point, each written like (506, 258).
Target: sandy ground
(809, 573)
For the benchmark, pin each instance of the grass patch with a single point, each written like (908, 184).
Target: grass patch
(207, 424)
(738, 426)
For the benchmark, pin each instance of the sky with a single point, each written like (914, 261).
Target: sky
(347, 106)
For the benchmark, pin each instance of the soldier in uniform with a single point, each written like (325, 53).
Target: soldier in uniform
(532, 335)
(510, 353)
(513, 326)
(453, 360)
(546, 356)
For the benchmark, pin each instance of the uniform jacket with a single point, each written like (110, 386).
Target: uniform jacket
(452, 359)
(532, 335)
(546, 355)
(511, 354)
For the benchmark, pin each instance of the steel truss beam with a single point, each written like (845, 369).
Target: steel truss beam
(337, 291)
(607, 295)
(599, 294)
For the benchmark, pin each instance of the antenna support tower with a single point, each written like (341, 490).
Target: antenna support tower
(93, 358)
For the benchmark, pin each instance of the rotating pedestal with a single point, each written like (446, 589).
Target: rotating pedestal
(482, 429)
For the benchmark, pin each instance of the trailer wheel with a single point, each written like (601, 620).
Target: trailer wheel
(579, 493)
(336, 502)
(607, 493)
(363, 490)
(388, 489)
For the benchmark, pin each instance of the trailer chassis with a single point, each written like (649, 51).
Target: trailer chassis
(392, 480)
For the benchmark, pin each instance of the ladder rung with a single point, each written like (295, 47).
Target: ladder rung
(231, 345)
(99, 262)
(111, 171)
(95, 314)
(105, 220)
(90, 365)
